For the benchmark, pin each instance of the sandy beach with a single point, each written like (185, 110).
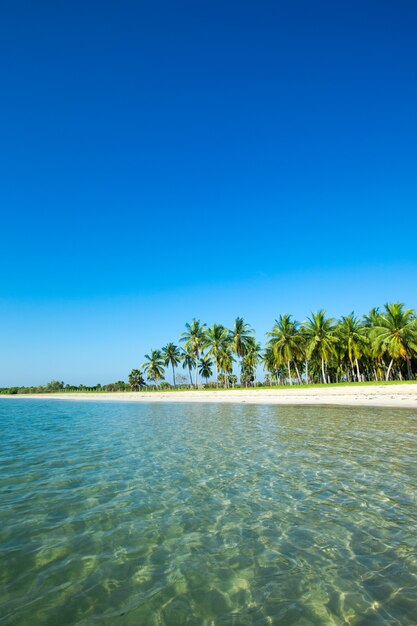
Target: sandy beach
(379, 395)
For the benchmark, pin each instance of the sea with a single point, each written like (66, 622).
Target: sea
(133, 514)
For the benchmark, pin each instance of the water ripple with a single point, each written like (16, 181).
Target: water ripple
(207, 515)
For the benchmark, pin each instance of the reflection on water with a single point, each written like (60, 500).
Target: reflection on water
(206, 514)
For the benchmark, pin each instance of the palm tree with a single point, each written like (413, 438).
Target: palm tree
(286, 342)
(217, 338)
(136, 379)
(320, 339)
(250, 361)
(395, 333)
(352, 339)
(226, 360)
(154, 366)
(195, 341)
(373, 351)
(188, 361)
(206, 365)
(270, 364)
(240, 338)
(172, 356)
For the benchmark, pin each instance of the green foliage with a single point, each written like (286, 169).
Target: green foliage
(154, 366)
(54, 385)
(195, 341)
(205, 367)
(172, 356)
(136, 380)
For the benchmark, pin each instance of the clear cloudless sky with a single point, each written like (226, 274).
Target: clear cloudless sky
(168, 160)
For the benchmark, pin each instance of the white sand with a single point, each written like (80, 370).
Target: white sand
(378, 395)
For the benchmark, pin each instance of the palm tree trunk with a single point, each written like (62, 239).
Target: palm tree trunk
(191, 378)
(358, 371)
(173, 374)
(322, 371)
(196, 369)
(298, 373)
(217, 374)
(389, 369)
(289, 373)
(307, 378)
(409, 369)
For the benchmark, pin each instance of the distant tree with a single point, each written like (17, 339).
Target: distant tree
(54, 385)
(188, 361)
(195, 341)
(206, 367)
(352, 340)
(240, 337)
(154, 366)
(172, 356)
(395, 333)
(136, 379)
(250, 362)
(226, 361)
(286, 343)
(217, 340)
(319, 333)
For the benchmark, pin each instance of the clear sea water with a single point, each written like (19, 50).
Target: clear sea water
(171, 514)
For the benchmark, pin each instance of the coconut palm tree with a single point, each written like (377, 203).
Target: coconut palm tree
(286, 342)
(395, 333)
(374, 352)
(353, 339)
(270, 364)
(154, 366)
(320, 339)
(195, 341)
(206, 367)
(172, 356)
(250, 361)
(136, 380)
(240, 337)
(188, 361)
(226, 360)
(217, 338)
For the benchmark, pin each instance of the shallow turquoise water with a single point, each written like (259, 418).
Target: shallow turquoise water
(175, 514)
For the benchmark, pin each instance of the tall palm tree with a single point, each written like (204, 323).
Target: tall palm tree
(240, 337)
(206, 367)
(136, 379)
(395, 332)
(217, 338)
(172, 356)
(352, 339)
(194, 338)
(320, 339)
(226, 361)
(374, 352)
(286, 342)
(154, 366)
(188, 361)
(251, 360)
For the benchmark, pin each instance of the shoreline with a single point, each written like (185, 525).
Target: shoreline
(395, 396)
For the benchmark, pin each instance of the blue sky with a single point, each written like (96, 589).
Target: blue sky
(162, 161)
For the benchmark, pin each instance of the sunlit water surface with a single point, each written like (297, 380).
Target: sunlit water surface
(156, 514)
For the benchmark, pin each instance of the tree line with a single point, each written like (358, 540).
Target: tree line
(381, 345)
